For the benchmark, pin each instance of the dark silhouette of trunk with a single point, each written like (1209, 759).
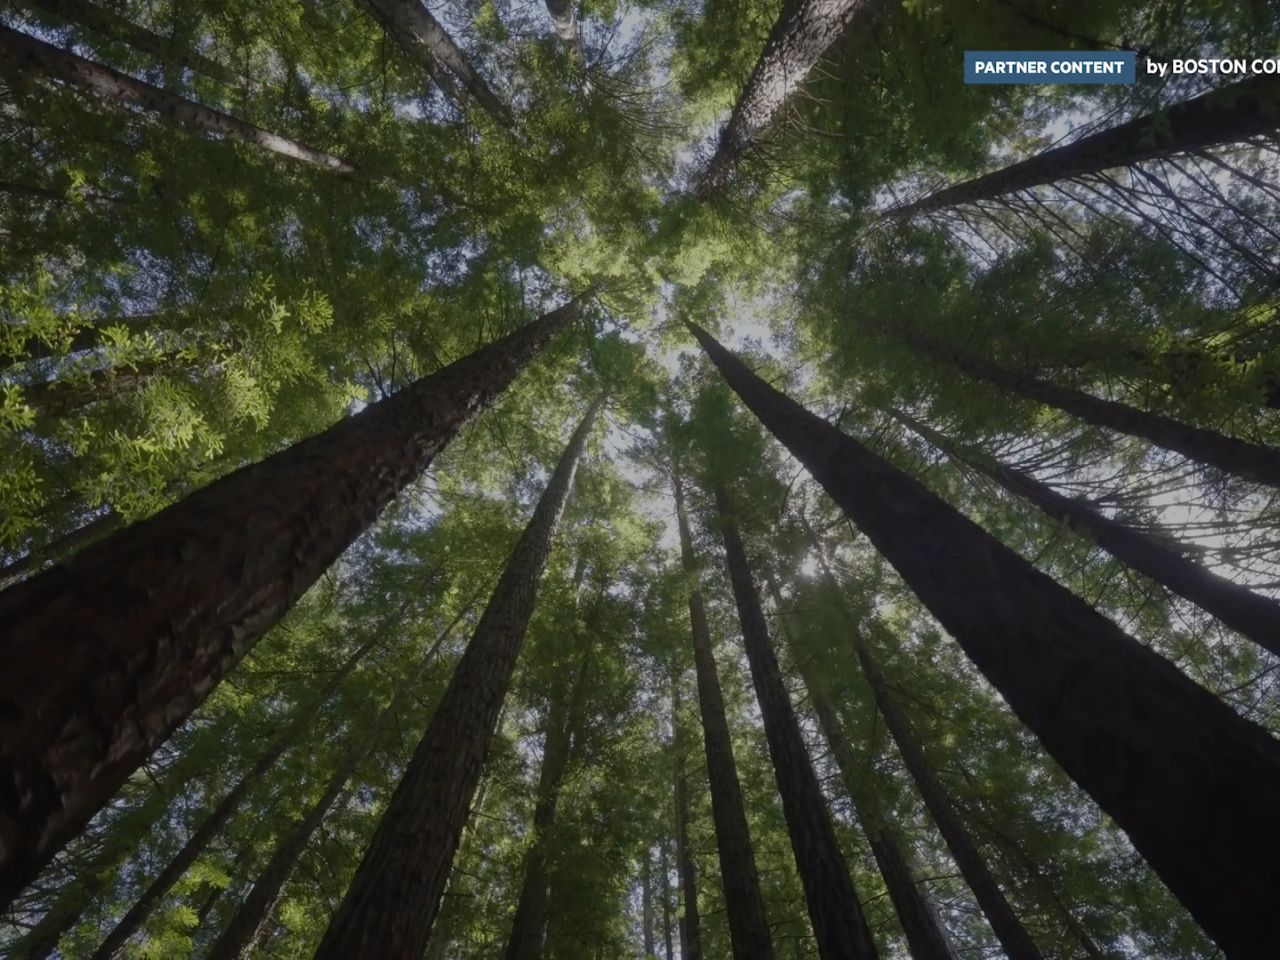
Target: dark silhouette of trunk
(110, 24)
(113, 946)
(528, 928)
(1247, 460)
(57, 398)
(805, 30)
(1250, 614)
(81, 194)
(748, 924)
(665, 891)
(835, 911)
(1230, 114)
(25, 56)
(690, 925)
(395, 895)
(646, 905)
(57, 549)
(250, 919)
(105, 654)
(926, 938)
(1193, 784)
(86, 338)
(417, 32)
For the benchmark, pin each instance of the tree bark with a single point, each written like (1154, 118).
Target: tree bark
(835, 910)
(22, 55)
(805, 30)
(1250, 614)
(690, 925)
(925, 937)
(86, 338)
(646, 906)
(105, 654)
(110, 24)
(246, 926)
(561, 12)
(748, 923)
(1193, 784)
(395, 895)
(57, 549)
(1230, 114)
(1247, 460)
(665, 891)
(113, 947)
(57, 398)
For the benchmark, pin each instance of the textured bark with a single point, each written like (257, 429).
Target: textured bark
(247, 925)
(395, 895)
(104, 655)
(690, 925)
(926, 938)
(805, 30)
(665, 892)
(1247, 460)
(1194, 785)
(113, 947)
(1230, 114)
(835, 911)
(561, 12)
(415, 30)
(1250, 614)
(646, 905)
(22, 55)
(110, 24)
(748, 924)
(57, 549)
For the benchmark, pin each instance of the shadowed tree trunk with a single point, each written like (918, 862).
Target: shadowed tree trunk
(86, 338)
(57, 398)
(805, 30)
(113, 946)
(1250, 614)
(925, 937)
(665, 892)
(57, 549)
(1230, 114)
(105, 654)
(110, 24)
(646, 897)
(690, 926)
(1194, 785)
(22, 55)
(566, 29)
(251, 917)
(748, 924)
(395, 895)
(835, 911)
(1247, 460)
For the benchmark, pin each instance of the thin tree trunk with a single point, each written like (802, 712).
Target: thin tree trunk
(646, 906)
(561, 12)
(415, 30)
(57, 398)
(250, 919)
(925, 937)
(690, 924)
(395, 895)
(1193, 784)
(805, 30)
(835, 910)
(748, 923)
(1230, 114)
(110, 24)
(1247, 460)
(105, 654)
(113, 946)
(22, 55)
(86, 338)
(665, 891)
(1250, 614)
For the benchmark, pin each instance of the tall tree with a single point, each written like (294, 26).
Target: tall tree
(686, 867)
(834, 908)
(395, 895)
(104, 655)
(1188, 779)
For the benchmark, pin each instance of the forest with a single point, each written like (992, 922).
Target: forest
(654, 479)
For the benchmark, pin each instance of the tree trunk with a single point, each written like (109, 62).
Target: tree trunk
(105, 654)
(646, 906)
(110, 24)
(247, 924)
(805, 30)
(690, 925)
(1230, 114)
(395, 895)
(57, 549)
(566, 29)
(665, 891)
(1249, 614)
(835, 911)
(1194, 785)
(415, 30)
(22, 55)
(925, 937)
(1255, 463)
(86, 338)
(113, 946)
(748, 923)
(57, 398)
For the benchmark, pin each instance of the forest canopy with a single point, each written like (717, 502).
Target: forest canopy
(638, 480)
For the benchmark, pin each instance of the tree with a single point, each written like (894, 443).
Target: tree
(686, 868)
(97, 678)
(395, 895)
